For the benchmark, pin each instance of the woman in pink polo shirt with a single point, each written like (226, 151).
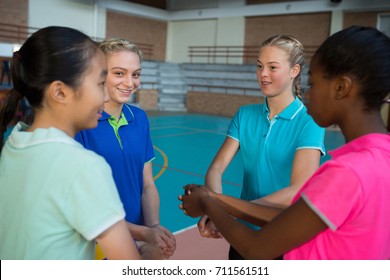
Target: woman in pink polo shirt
(342, 211)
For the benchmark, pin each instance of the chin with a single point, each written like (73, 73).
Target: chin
(91, 125)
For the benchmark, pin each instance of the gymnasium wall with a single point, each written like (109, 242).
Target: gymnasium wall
(310, 29)
(362, 18)
(82, 15)
(14, 12)
(139, 30)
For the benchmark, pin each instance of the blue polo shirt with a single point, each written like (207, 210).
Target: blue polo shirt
(268, 146)
(126, 146)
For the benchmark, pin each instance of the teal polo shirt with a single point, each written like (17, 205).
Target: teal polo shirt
(268, 146)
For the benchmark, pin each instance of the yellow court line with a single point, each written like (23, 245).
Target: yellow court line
(165, 164)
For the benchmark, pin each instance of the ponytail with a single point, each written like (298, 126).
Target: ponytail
(298, 87)
(8, 111)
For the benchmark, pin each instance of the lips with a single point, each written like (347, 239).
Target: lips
(99, 113)
(125, 91)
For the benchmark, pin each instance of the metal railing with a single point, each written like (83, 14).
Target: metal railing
(232, 54)
(17, 34)
(225, 89)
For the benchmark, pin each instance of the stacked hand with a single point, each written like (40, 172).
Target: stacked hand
(207, 228)
(193, 200)
(162, 238)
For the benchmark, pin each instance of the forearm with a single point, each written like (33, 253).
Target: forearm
(139, 232)
(151, 207)
(280, 199)
(213, 180)
(116, 242)
(150, 198)
(251, 212)
(241, 237)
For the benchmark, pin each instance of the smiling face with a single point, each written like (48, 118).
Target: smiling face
(123, 79)
(274, 73)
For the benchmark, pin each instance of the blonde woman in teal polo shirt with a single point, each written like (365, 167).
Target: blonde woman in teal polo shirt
(280, 144)
(122, 137)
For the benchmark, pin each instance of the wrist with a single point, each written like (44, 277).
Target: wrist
(205, 201)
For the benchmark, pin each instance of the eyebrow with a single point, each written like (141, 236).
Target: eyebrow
(118, 67)
(268, 62)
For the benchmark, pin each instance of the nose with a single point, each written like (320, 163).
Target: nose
(128, 81)
(262, 72)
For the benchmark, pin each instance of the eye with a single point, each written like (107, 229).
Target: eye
(102, 84)
(259, 66)
(137, 75)
(119, 74)
(273, 68)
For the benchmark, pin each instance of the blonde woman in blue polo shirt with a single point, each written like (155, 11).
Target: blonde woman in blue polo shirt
(122, 137)
(57, 198)
(280, 144)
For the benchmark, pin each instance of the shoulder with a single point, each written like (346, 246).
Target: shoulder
(83, 156)
(251, 107)
(250, 110)
(303, 118)
(130, 110)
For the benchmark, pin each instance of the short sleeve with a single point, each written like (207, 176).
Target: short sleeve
(312, 137)
(334, 193)
(93, 204)
(149, 151)
(233, 130)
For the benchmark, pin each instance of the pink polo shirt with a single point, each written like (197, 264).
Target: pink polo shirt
(351, 194)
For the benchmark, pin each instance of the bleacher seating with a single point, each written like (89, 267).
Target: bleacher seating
(173, 81)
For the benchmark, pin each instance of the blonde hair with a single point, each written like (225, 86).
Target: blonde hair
(295, 50)
(117, 45)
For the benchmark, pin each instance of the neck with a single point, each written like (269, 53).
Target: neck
(113, 109)
(363, 123)
(46, 119)
(276, 104)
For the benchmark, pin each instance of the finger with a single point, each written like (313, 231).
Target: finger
(202, 223)
(180, 198)
(166, 239)
(167, 233)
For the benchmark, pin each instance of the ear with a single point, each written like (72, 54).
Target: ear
(295, 71)
(343, 86)
(58, 92)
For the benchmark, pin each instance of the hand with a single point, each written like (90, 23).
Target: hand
(162, 238)
(149, 251)
(193, 200)
(207, 228)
